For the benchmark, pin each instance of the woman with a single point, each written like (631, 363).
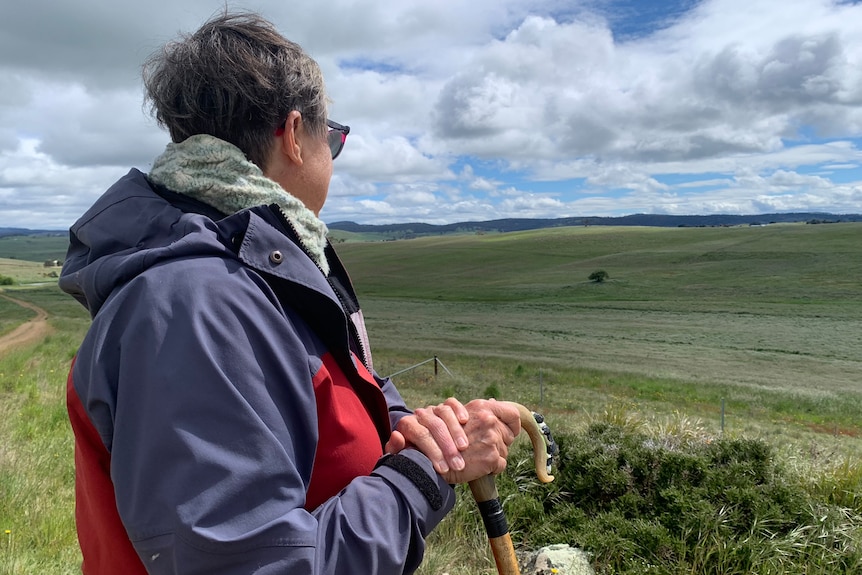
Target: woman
(226, 413)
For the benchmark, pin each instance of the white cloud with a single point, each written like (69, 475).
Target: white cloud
(392, 159)
(840, 166)
(730, 106)
(38, 193)
(532, 205)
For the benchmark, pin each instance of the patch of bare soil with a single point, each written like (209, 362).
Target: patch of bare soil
(27, 333)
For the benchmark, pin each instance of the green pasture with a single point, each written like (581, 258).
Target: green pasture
(763, 322)
(698, 269)
(23, 272)
(39, 248)
(768, 318)
(12, 315)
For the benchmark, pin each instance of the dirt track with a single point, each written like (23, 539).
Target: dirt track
(28, 332)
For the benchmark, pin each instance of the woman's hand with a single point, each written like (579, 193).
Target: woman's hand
(437, 431)
(464, 442)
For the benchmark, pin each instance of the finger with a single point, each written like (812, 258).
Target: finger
(396, 443)
(440, 431)
(508, 414)
(460, 411)
(500, 412)
(420, 437)
(502, 462)
(478, 467)
(454, 425)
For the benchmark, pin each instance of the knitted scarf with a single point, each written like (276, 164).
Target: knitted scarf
(217, 173)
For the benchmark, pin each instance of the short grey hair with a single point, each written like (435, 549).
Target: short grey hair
(236, 78)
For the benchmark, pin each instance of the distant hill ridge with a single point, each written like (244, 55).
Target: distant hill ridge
(6, 232)
(654, 220)
(522, 224)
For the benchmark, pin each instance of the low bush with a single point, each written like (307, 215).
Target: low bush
(645, 504)
(492, 391)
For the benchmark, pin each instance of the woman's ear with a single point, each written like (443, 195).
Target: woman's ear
(291, 143)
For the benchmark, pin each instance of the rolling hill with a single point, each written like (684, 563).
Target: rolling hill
(416, 229)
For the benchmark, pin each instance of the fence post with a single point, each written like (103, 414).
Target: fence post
(435, 366)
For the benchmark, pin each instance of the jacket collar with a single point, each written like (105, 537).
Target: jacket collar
(217, 173)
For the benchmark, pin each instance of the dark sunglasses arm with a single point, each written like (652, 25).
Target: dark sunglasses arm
(336, 126)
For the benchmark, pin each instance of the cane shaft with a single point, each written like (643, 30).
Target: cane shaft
(485, 493)
(504, 555)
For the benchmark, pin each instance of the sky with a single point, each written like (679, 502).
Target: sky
(473, 110)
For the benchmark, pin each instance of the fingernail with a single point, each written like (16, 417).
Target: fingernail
(458, 463)
(443, 467)
(461, 442)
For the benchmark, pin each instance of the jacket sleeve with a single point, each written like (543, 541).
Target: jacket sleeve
(396, 404)
(204, 399)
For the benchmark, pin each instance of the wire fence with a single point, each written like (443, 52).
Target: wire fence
(439, 364)
(436, 361)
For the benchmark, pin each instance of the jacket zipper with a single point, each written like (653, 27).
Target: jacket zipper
(351, 327)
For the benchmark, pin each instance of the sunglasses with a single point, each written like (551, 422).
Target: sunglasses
(335, 137)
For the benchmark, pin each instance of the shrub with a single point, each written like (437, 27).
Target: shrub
(491, 391)
(6, 281)
(642, 504)
(598, 276)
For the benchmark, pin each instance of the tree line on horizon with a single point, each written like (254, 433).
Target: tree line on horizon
(650, 220)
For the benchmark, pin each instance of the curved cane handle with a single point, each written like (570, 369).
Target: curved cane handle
(543, 444)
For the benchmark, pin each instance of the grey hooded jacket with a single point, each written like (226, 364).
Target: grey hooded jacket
(197, 376)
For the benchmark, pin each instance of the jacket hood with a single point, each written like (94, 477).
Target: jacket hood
(131, 228)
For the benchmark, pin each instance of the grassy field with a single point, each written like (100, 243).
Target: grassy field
(769, 318)
(12, 315)
(36, 455)
(34, 248)
(28, 272)
(766, 321)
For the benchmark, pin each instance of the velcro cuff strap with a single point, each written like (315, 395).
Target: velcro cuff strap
(414, 472)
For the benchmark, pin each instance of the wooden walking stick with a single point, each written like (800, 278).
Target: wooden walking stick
(485, 491)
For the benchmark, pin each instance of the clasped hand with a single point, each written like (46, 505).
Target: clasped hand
(464, 442)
